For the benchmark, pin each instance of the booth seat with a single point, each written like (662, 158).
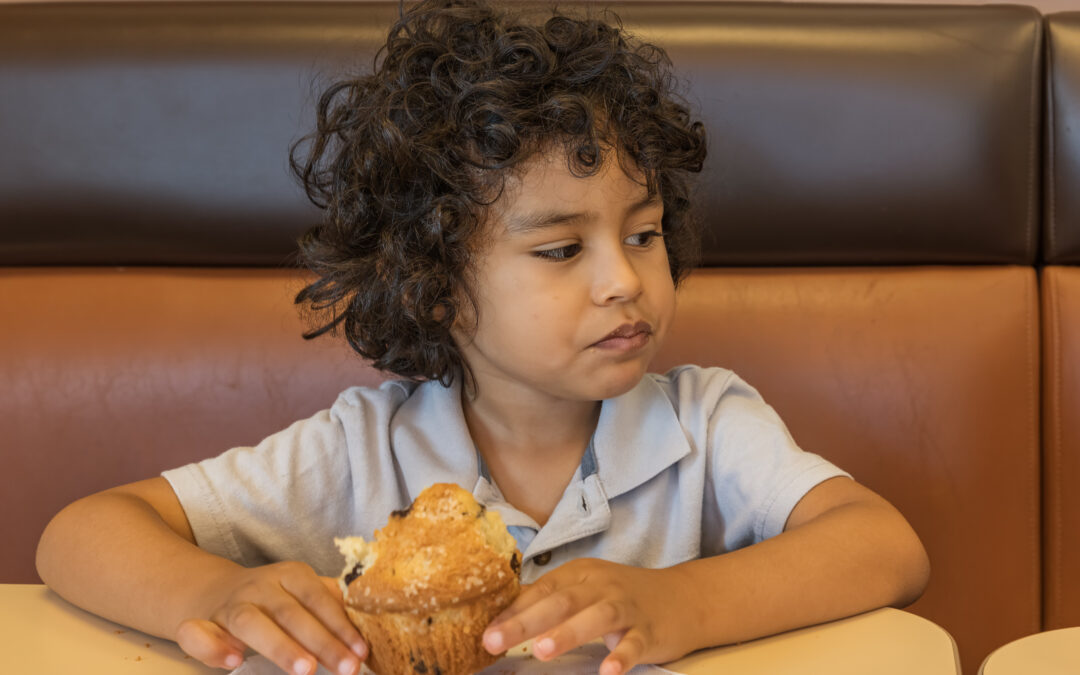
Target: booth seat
(890, 256)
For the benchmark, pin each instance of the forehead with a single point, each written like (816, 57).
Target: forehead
(547, 183)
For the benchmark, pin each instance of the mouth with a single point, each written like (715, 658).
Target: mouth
(626, 337)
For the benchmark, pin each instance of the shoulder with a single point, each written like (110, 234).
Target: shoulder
(699, 386)
(387, 398)
(714, 397)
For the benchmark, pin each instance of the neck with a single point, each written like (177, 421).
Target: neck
(518, 422)
(532, 445)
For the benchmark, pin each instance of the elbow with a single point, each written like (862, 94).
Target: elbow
(912, 572)
(46, 547)
(59, 540)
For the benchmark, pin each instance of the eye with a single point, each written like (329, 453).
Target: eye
(644, 239)
(561, 253)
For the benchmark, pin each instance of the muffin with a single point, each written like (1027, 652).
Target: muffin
(425, 589)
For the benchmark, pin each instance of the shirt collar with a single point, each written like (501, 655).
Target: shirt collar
(637, 436)
(431, 442)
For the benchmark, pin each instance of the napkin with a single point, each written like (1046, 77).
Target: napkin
(585, 660)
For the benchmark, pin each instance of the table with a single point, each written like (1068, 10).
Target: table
(1055, 652)
(45, 634)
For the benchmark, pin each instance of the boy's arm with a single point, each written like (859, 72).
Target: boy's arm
(845, 550)
(129, 554)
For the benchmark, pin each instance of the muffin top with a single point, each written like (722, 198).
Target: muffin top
(443, 550)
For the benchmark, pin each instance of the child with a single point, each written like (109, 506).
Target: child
(507, 218)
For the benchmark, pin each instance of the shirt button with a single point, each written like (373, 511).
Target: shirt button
(543, 559)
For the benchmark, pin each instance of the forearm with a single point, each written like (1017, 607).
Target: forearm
(114, 555)
(851, 559)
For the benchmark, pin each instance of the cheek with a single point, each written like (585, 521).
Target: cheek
(540, 308)
(664, 299)
(662, 287)
(515, 302)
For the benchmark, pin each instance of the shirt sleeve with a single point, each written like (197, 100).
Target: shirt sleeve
(263, 504)
(758, 472)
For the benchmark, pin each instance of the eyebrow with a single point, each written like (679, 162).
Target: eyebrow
(538, 220)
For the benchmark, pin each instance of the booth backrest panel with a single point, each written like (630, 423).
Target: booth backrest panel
(871, 201)
(847, 134)
(1061, 463)
(842, 134)
(923, 382)
(1062, 232)
(113, 375)
(1061, 327)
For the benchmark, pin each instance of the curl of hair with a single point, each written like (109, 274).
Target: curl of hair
(405, 160)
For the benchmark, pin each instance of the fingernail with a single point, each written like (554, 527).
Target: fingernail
(494, 641)
(545, 646)
(347, 667)
(302, 667)
(359, 648)
(233, 661)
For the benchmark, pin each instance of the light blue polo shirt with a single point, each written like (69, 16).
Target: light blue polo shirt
(688, 464)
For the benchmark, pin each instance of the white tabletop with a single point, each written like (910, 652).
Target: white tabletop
(1055, 652)
(48, 635)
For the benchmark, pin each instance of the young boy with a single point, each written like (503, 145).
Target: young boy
(506, 224)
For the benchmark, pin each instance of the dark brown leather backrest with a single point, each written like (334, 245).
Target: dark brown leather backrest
(1061, 236)
(848, 134)
(157, 132)
(884, 138)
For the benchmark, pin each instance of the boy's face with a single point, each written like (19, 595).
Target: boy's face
(570, 261)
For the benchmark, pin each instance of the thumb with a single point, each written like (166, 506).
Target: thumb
(210, 643)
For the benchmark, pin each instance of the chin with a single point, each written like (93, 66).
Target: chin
(616, 384)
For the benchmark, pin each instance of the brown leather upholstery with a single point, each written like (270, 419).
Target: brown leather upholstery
(1061, 454)
(922, 382)
(134, 371)
(1061, 327)
(828, 146)
(855, 134)
(1061, 236)
(113, 375)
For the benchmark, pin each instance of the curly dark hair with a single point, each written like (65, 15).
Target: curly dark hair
(406, 160)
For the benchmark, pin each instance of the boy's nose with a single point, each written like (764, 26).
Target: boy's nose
(616, 280)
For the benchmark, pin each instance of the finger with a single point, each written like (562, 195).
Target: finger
(612, 639)
(250, 624)
(331, 585)
(533, 620)
(296, 619)
(210, 643)
(598, 619)
(329, 609)
(626, 654)
(528, 596)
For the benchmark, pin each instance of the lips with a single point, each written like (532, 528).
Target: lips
(625, 332)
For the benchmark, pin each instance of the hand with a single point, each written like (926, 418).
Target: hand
(284, 611)
(635, 611)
